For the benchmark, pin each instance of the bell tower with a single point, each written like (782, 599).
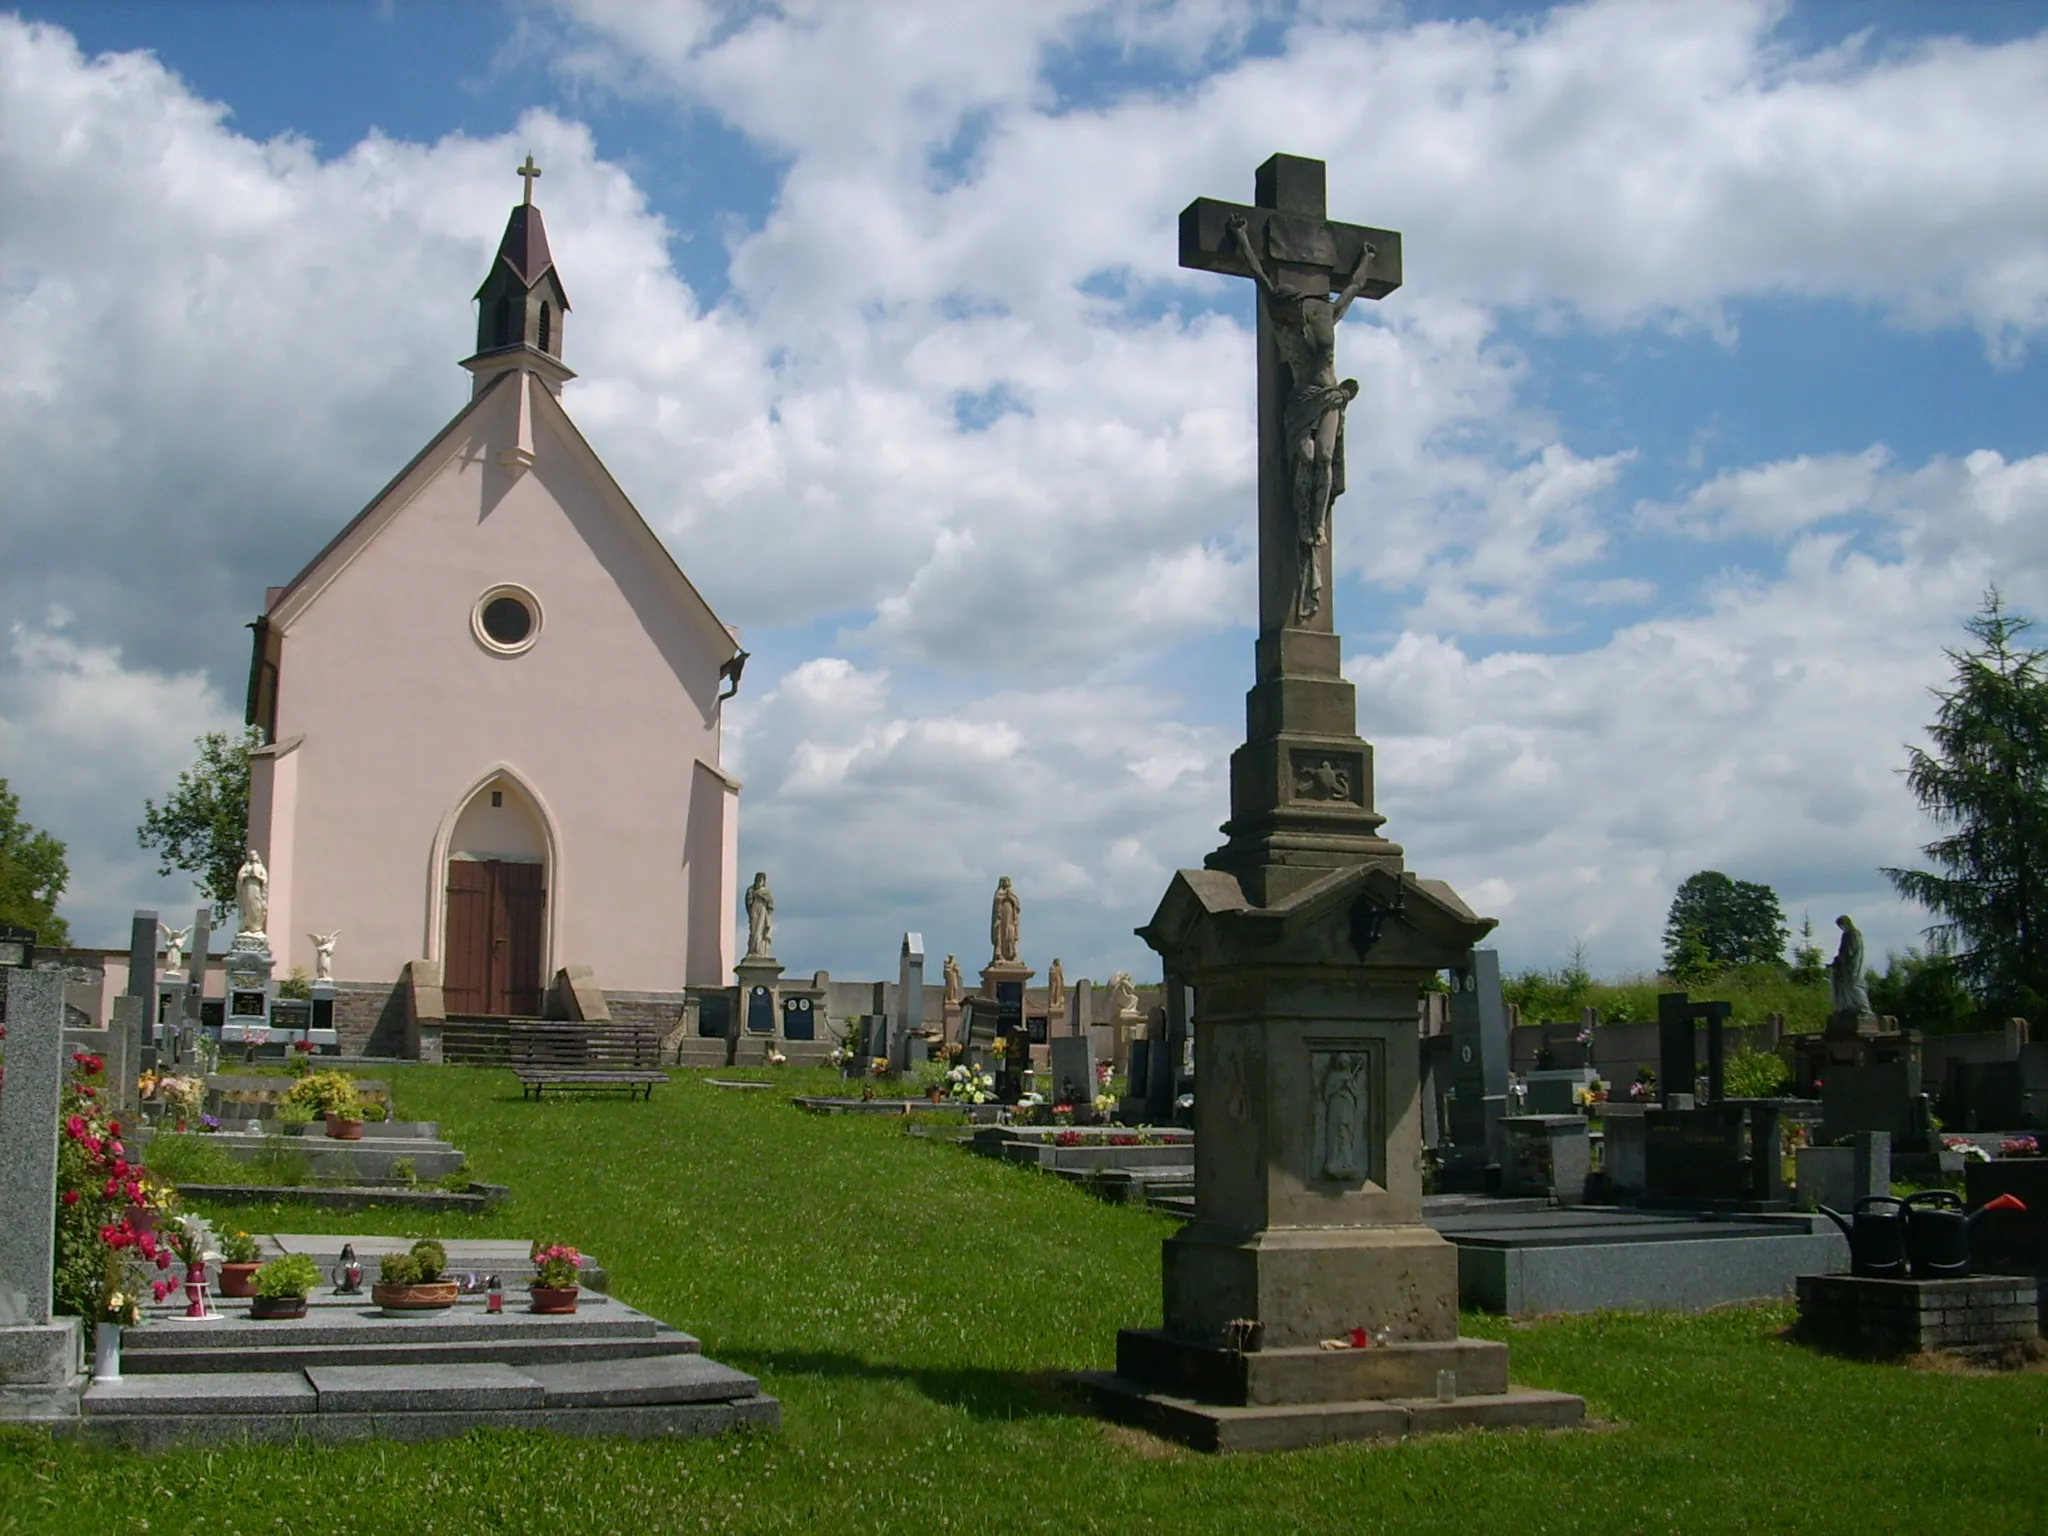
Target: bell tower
(522, 304)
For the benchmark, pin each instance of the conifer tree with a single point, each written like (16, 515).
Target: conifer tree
(1986, 784)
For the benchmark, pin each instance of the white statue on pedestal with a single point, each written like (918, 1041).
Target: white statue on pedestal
(760, 917)
(1123, 996)
(323, 954)
(1004, 917)
(252, 902)
(954, 991)
(174, 949)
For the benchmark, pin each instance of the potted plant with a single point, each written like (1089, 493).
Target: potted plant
(931, 1078)
(412, 1282)
(282, 1287)
(240, 1258)
(556, 1269)
(345, 1115)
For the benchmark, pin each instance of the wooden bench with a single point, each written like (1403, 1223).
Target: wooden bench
(594, 1056)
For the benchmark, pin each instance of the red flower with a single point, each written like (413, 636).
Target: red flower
(160, 1288)
(107, 1234)
(116, 1149)
(146, 1241)
(71, 1197)
(74, 1127)
(113, 1127)
(110, 1189)
(163, 1260)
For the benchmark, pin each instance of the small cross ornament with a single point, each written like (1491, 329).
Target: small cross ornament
(527, 172)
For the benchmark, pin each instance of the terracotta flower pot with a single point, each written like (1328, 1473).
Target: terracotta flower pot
(344, 1130)
(548, 1298)
(434, 1296)
(238, 1280)
(261, 1307)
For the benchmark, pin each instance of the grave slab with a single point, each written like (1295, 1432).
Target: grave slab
(622, 1383)
(222, 1392)
(422, 1388)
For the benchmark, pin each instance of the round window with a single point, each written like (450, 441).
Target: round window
(506, 619)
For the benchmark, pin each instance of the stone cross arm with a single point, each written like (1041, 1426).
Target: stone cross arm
(1303, 249)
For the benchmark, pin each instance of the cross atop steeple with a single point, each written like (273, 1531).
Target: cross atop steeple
(526, 173)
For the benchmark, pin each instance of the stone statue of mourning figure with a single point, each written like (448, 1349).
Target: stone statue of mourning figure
(1004, 918)
(1848, 979)
(760, 917)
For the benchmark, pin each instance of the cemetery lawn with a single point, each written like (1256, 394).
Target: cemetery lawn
(915, 1308)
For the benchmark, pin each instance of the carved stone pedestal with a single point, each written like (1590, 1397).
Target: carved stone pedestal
(1308, 1225)
(760, 989)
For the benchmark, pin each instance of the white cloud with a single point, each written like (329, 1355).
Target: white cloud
(960, 401)
(85, 738)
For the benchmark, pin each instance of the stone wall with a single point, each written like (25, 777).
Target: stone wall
(369, 1018)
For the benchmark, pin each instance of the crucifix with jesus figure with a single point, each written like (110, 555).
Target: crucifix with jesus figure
(1309, 270)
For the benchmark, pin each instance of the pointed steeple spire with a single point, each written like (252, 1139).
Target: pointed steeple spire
(522, 302)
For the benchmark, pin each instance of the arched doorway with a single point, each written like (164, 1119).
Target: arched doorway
(497, 894)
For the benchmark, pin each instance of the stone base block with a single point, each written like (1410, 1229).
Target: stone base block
(1304, 1284)
(47, 1403)
(1901, 1317)
(41, 1354)
(1291, 1426)
(1272, 1376)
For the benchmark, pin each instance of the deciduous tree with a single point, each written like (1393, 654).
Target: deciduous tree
(1716, 922)
(203, 823)
(33, 874)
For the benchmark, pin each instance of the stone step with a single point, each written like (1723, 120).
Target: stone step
(424, 1386)
(341, 1321)
(524, 1353)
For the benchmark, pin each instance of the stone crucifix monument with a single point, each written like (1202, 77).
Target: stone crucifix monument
(1307, 1301)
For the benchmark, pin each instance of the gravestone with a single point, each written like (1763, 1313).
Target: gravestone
(1545, 1155)
(1677, 1062)
(40, 1354)
(1080, 1007)
(142, 938)
(1841, 1176)
(191, 1010)
(1478, 1072)
(909, 991)
(1724, 1153)
(1885, 1096)
(1305, 942)
(799, 1019)
(1072, 1071)
(714, 1015)
(760, 981)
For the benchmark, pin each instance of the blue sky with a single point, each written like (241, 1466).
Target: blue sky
(1664, 498)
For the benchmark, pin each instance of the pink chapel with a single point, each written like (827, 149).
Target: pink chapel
(492, 709)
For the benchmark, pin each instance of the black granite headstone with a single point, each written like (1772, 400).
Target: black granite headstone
(1036, 1026)
(760, 1011)
(714, 1015)
(799, 1019)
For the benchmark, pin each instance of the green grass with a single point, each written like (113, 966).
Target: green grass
(914, 1308)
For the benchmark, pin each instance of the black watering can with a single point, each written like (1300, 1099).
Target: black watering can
(1938, 1233)
(1877, 1236)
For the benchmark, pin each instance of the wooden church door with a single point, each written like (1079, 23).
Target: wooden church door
(496, 912)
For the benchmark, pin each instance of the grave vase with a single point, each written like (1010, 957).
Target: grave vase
(106, 1352)
(195, 1290)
